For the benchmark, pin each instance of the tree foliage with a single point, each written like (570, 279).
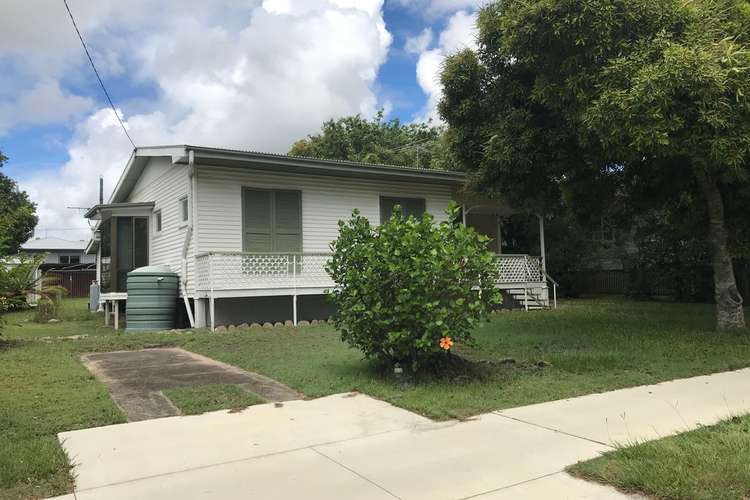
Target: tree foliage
(407, 289)
(17, 214)
(390, 142)
(577, 102)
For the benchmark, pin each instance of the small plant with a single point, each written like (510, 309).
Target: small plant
(46, 309)
(410, 289)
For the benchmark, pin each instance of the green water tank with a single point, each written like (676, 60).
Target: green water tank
(152, 298)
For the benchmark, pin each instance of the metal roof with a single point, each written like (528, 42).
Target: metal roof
(53, 244)
(95, 211)
(211, 156)
(261, 154)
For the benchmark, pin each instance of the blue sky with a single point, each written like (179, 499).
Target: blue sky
(254, 74)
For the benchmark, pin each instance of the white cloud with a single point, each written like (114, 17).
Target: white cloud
(433, 9)
(44, 103)
(420, 43)
(241, 74)
(459, 33)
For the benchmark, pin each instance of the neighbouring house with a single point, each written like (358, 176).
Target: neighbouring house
(65, 260)
(249, 233)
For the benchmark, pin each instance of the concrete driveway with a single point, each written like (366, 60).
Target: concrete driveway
(353, 446)
(136, 379)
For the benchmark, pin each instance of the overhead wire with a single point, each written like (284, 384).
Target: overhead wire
(93, 66)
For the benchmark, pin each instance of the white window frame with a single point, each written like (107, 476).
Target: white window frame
(158, 222)
(68, 258)
(183, 210)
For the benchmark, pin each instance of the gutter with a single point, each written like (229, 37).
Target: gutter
(188, 236)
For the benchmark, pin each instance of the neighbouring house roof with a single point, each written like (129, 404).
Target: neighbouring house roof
(53, 244)
(208, 156)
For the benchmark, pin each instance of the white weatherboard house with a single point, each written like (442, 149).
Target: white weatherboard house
(249, 232)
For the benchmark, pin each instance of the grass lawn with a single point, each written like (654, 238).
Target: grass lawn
(585, 346)
(708, 463)
(200, 399)
(76, 320)
(44, 389)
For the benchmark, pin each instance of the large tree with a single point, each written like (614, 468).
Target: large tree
(377, 140)
(585, 99)
(17, 214)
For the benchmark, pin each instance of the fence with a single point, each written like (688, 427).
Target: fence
(605, 282)
(75, 281)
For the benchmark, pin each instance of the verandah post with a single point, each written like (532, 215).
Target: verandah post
(542, 249)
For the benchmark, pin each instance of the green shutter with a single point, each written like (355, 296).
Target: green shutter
(409, 206)
(413, 206)
(386, 208)
(272, 221)
(287, 218)
(256, 221)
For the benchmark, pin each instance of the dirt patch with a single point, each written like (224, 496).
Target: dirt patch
(135, 379)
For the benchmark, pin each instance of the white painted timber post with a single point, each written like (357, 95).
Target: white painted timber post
(294, 308)
(117, 314)
(200, 312)
(106, 313)
(211, 306)
(554, 293)
(212, 310)
(499, 235)
(542, 248)
(294, 296)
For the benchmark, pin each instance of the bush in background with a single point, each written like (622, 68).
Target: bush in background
(19, 281)
(47, 309)
(410, 289)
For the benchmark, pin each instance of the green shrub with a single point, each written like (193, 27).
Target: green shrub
(410, 289)
(19, 280)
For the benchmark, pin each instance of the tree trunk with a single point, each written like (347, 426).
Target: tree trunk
(729, 312)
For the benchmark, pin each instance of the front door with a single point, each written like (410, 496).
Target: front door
(128, 245)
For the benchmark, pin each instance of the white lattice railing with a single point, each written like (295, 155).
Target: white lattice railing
(246, 271)
(519, 268)
(243, 271)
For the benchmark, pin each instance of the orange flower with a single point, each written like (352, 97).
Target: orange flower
(446, 343)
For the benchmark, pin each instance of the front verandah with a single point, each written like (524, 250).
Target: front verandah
(232, 275)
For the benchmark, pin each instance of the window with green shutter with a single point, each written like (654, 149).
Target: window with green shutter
(271, 220)
(409, 206)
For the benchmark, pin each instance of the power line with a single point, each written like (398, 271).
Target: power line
(114, 110)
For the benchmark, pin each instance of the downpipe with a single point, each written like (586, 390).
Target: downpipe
(188, 236)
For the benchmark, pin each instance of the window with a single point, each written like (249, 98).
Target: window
(184, 210)
(409, 206)
(70, 259)
(157, 221)
(608, 231)
(271, 221)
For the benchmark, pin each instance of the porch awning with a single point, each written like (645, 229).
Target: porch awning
(105, 211)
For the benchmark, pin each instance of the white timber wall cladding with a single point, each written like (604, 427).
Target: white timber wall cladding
(325, 201)
(164, 183)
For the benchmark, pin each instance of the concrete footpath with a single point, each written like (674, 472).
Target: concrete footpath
(353, 446)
